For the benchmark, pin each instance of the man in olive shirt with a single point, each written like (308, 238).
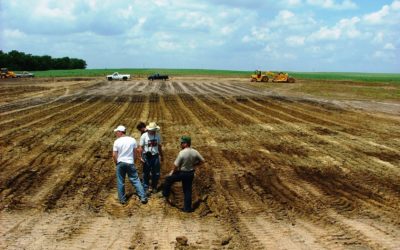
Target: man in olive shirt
(183, 171)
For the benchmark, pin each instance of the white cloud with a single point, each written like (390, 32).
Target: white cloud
(195, 20)
(345, 28)
(389, 46)
(348, 27)
(378, 37)
(321, 51)
(137, 28)
(382, 29)
(331, 4)
(268, 48)
(273, 51)
(226, 30)
(387, 15)
(215, 42)
(246, 39)
(379, 54)
(285, 16)
(257, 35)
(63, 10)
(92, 4)
(288, 56)
(395, 5)
(13, 34)
(286, 19)
(167, 46)
(295, 41)
(384, 56)
(377, 17)
(326, 33)
(126, 13)
(293, 3)
(161, 3)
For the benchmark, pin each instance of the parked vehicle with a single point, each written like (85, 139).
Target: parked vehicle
(117, 76)
(5, 73)
(25, 74)
(158, 77)
(283, 77)
(259, 76)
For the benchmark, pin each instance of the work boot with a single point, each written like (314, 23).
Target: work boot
(148, 192)
(187, 210)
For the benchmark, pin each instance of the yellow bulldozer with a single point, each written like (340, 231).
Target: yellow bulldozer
(259, 76)
(283, 77)
(5, 73)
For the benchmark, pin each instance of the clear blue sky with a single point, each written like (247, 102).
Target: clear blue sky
(290, 35)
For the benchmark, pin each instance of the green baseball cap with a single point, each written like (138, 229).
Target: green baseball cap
(186, 139)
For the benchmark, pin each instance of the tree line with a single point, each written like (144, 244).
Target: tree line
(19, 61)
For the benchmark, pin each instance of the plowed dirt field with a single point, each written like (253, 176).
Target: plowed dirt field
(282, 172)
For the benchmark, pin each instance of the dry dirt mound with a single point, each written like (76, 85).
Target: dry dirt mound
(281, 173)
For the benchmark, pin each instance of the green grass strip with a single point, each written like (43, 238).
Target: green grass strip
(335, 76)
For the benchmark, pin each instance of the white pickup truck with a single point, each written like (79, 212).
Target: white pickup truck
(117, 76)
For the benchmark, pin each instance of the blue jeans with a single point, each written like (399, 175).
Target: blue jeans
(123, 169)
(151, 166)
(187, 180)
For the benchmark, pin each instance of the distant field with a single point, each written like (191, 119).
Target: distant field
(139, 72)
(364, 77)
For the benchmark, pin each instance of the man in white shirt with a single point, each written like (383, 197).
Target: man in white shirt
(124, 157)
(150, 150)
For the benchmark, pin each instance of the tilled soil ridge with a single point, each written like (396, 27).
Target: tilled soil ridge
(281, 172)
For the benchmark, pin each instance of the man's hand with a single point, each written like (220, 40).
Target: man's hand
(175, 169)
(115, 157)
(139, 152)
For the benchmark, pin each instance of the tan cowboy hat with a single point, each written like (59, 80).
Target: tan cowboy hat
(152, 126)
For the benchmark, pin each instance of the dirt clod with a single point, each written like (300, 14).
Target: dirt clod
(182, 240)
(225, 240)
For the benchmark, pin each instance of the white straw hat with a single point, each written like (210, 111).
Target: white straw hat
(152, 126)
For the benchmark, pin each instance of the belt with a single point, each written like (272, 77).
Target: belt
(150, 155)
(187, 171)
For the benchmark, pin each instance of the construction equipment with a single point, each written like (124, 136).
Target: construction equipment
(5, 73)
(283, 77)
(276, 77)
(261, 76)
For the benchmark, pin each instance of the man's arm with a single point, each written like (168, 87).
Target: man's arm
(135, 154)
(139, 152)
(200, 160)
(140, 147)
(177, 163)
(115, 156)
(159, 145)
(176, 168)
(160, 152)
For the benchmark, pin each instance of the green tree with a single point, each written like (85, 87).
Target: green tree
(19, 61)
